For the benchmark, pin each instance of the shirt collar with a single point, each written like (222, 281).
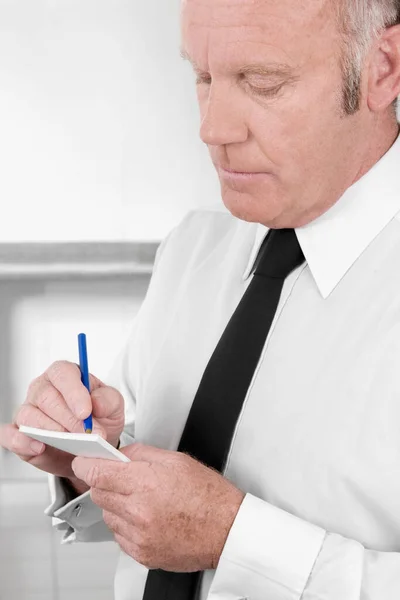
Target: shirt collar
(334, 241)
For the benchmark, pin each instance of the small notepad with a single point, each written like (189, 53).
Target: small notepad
(88, 445)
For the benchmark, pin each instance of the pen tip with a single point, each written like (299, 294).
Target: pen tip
(88, 431)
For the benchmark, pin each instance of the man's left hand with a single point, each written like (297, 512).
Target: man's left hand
(166, 509)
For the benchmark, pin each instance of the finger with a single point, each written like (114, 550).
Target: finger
(110, 501)
(31, 416)
(127, 546)
(13, 440)
(144, 453)
(111, 476)
(107, 402)
(115, 523)
(66, 378)
(49, 401)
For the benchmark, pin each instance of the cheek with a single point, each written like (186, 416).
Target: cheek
(295, 133)
(274, 129)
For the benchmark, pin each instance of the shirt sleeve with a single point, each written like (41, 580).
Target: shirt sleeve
(271, 554)
(79, 517)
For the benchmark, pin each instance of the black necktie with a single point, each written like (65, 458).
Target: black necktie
(216, 408)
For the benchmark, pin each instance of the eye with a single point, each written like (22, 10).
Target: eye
(205, 78)
(270, 92)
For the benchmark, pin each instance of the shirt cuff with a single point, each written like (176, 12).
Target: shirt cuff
(269, 553)
(80, 518)
(126, 439)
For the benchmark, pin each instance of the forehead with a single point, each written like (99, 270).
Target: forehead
(223, 30)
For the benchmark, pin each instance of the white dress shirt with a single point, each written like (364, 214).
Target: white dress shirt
(317, 444)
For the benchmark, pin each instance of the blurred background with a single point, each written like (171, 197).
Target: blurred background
(100, 157)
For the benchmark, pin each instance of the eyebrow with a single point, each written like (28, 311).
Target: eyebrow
(272, 70)
(186, 56)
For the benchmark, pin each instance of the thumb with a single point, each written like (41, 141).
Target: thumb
(138, 451)
(107, 402)
(99, 430)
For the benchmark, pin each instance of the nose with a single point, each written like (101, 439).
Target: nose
(222, 118)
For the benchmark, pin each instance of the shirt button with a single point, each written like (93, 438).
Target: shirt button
(77, 510)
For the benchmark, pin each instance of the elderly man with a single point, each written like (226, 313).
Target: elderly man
(258, 392)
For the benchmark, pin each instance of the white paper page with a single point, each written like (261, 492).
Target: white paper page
(88, 445)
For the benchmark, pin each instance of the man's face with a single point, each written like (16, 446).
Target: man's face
(269, 89)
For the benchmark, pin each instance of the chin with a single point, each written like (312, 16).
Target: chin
(247, 208)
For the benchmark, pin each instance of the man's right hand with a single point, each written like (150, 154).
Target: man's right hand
(58, 401)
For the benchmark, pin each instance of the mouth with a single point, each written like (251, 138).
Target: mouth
(241, 175)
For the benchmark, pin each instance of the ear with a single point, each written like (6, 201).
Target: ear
(384, 71)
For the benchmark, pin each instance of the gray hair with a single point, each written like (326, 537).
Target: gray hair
(361, 22)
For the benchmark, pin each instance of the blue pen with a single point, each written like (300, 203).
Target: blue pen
(83, 364)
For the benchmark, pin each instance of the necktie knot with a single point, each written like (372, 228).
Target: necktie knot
(279, 255)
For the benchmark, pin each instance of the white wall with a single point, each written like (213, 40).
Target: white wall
(41, 321)
(98, 121)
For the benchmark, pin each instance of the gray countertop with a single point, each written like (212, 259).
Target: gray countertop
(75, 259)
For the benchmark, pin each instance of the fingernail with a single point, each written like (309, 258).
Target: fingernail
(36, 447)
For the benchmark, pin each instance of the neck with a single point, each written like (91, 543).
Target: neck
(380, 139)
